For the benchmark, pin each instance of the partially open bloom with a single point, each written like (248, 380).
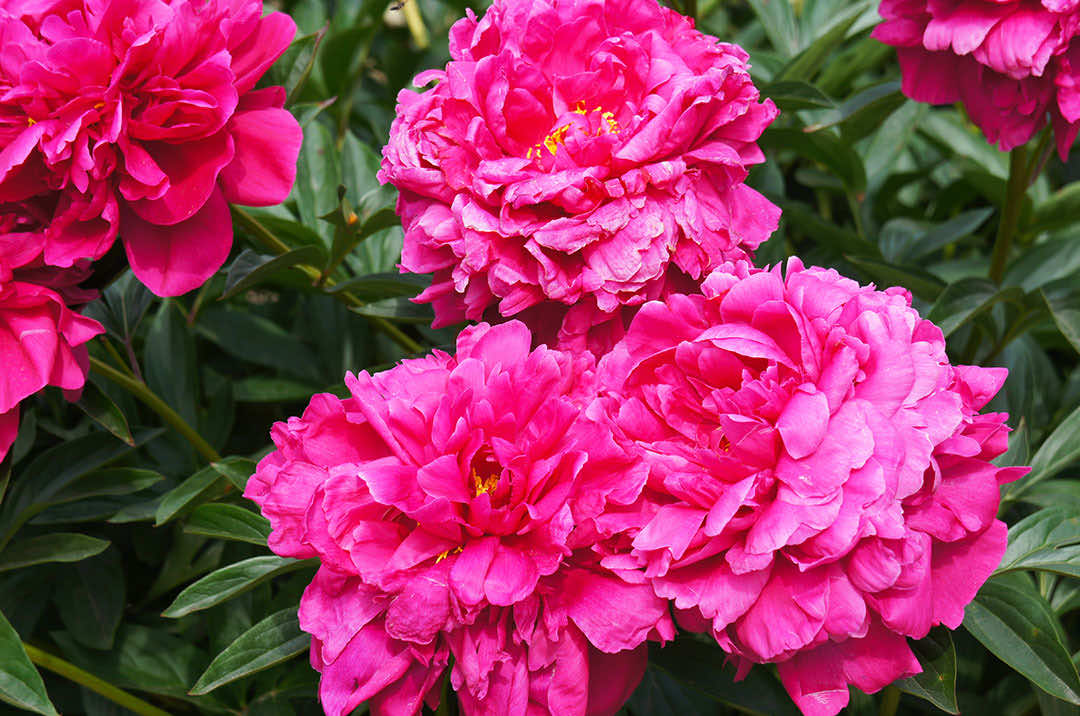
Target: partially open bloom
(1013, 63)
(820, 485)
(576, 177)
(142, 116)
(452, 502)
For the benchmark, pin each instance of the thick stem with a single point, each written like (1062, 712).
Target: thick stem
(267, 238)
(1010, 213)
(84, 678)
(141, 391)
(890, 701)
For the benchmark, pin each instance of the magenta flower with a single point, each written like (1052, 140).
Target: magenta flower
(1012, 62)
(41, 340)
(454, 503)
(576, 178)
(142, 115)
(820, 485)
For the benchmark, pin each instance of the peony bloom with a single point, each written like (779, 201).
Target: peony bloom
(453, 504)
(820, 485)
(576, 178)
(41, 340)
(142, 117)
(1011, 62)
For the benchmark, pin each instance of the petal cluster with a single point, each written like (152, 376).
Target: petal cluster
(454, 504)
(41, 338)
(1012, 63)
(566, 182)
(139, 118)
(820, 481)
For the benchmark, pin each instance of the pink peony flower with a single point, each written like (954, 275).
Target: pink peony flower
(820, 485)
(41, 343)
(142, 115)
(576, 178)
(1012, 63)
(453, 504)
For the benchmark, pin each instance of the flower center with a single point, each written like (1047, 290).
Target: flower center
(484, 485)
(607, 124)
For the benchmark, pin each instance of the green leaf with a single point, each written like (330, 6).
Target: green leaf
(1063, 302)
(227, 582)
(700, 666)
(171, 369)
(103, 411)
(91, 602)
(921, 283)
(1012, 619)
(807, 63)
(107, 482)
(1046, 541)
(947, 232)
(937, 682)
(791, 95)
(250, 269)
(1056, 453)
(967, 298)
(400, 310)
(20, 682)
(56, 547)
(273, 640)
(377, 286)
(204, 485)
(828, 233)
(258, 389)
(1058, 211)
(53, 470)
(236, 470)
(863, 112)
(778, 20)
(228, 522)
(659, 694)
(824, 148)
(122, 306)
(1044, 263)
(249, 337)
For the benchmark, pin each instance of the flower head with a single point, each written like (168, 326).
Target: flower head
(1012, 63)
(576, 178)
(143, 117)
(452, 503)
(820, 485)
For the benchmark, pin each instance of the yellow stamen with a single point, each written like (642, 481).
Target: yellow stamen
(447, 553)
(99, 105)
(30, 121)
(484, 485)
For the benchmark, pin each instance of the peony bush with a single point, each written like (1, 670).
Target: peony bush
(585, 357)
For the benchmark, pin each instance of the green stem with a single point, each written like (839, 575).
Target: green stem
(159, 406)
(415, 21)
(111, 350)
(272, 242)
(890, 701)
(84, 678)
(1010, 213)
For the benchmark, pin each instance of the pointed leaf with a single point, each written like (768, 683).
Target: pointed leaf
(250, 269)
(227, 582)
(20, 682)
(56, 547)
(228, 522)
(937, 682)
(1012, 619)
(273, 640)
